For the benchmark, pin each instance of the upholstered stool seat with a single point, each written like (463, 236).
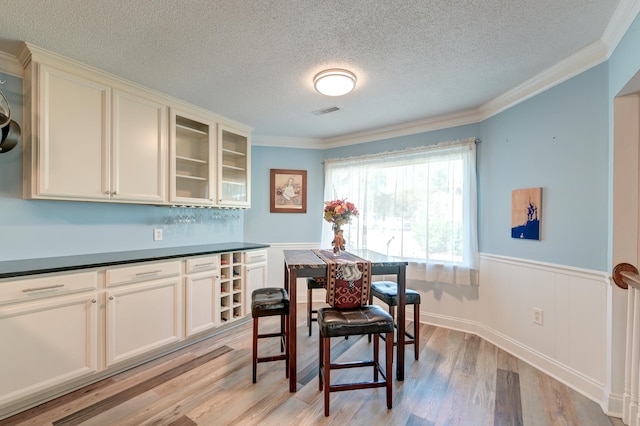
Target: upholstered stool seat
(387, 291)
(368, 319)
(265, 302)
(269, 301)
(312, 284)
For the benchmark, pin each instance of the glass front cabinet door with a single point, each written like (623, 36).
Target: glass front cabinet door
(234, 156)
(193, 159)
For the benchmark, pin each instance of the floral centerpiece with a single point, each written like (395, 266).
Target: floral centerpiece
(338, 213)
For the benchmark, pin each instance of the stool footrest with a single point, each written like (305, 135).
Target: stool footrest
(354, 386)
(410, 341)
(271, 358)
(267, 335)
(355, 364)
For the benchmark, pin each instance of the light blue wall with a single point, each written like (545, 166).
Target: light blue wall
(264, 227)
(36, 228)
(624, 62)
(557, 140)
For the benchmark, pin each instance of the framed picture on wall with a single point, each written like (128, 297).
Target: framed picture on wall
(288, 191)
(526, 213)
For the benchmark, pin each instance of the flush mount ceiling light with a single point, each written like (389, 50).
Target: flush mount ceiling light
(334, 82)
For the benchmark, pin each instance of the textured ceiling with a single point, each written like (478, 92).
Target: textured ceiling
(253, 61)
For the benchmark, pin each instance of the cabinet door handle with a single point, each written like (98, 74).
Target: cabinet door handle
(93, 300)
(141, 274)
(111, 298)
(200, 265)
(48, 287)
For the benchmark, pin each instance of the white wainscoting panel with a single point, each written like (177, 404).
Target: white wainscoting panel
(571, 344)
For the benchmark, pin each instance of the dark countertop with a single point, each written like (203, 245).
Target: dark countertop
(17, 268)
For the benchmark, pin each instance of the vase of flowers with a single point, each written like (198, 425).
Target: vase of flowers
(337, 213)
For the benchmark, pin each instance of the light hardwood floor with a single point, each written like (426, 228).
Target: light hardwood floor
(460, 379)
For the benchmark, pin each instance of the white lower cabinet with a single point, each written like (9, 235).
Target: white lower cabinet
(64, 329)
(255, 278)
(48, 341)
(201, 295)
(143, 316)
(255, 274)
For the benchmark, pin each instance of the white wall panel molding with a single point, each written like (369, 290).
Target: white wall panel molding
(586, 273)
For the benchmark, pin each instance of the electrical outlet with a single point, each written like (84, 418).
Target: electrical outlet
(157, 234)
(538, 317)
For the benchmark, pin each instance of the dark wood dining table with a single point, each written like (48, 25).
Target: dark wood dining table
(305, 263)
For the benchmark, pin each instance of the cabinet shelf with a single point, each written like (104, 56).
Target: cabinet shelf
(191, 160)
(191, 177)
(192, 131)
(234, 163)
(232, 153)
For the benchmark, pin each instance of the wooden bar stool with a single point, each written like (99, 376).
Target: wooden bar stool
(387, 291)
(369, 319)
(312, 284)
(266, 302)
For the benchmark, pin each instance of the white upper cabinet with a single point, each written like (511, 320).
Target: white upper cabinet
(71, 139)
(94, 142)
(193, 149)
(234, 168)
(92, 136)
(138, 149)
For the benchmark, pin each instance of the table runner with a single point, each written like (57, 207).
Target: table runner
(348, 280)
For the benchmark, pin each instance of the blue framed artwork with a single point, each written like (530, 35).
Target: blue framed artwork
(526, 213)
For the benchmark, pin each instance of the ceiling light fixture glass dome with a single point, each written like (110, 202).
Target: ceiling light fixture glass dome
(334, 82)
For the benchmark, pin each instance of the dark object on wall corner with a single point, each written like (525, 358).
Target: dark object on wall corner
(10, 135)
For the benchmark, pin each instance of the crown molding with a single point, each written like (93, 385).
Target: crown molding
(286, 142)
(622, 18)
(9, 64)
(586, 58)
(460, 118)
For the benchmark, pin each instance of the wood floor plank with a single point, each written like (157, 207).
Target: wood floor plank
(559, 407)
(533, 409)
(506, 361)
(439, 378)
(508, 411)
(458, 393)
(115, 415)
(481, 405)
